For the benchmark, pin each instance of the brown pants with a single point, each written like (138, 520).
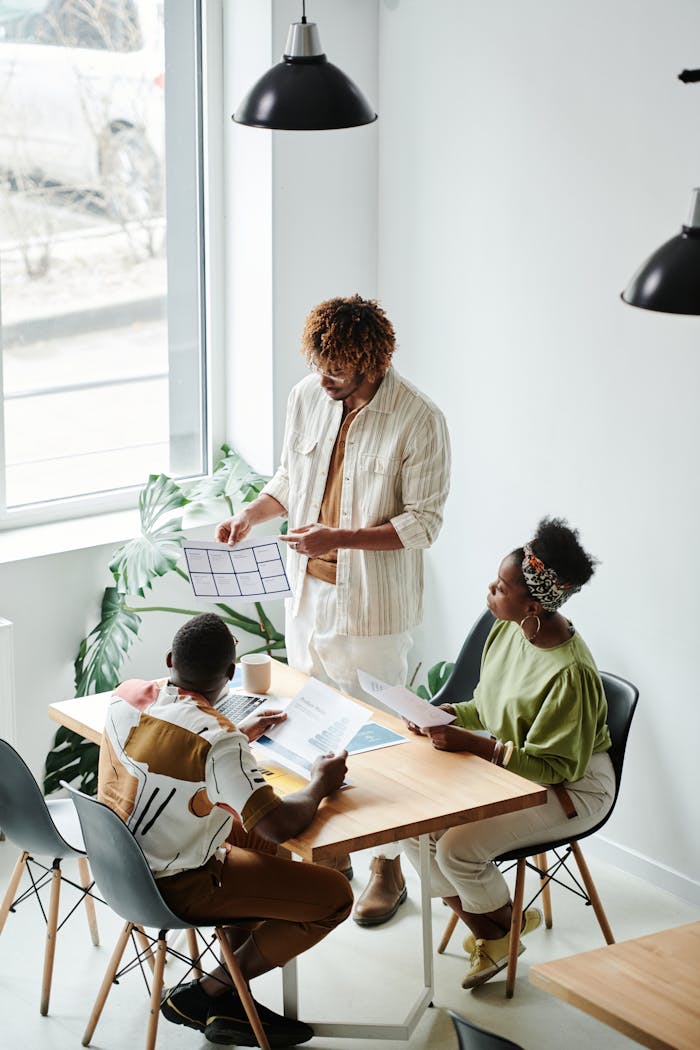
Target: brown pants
(295, 904)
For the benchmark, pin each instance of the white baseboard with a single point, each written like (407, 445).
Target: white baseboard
(642, 867)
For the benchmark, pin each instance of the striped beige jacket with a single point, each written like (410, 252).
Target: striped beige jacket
(396, 468)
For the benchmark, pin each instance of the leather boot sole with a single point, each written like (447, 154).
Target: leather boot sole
(377, 920)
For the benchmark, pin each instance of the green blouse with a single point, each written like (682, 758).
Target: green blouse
(549, 702)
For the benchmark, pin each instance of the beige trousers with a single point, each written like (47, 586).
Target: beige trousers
(461, 858)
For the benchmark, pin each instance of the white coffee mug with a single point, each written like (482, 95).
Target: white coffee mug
(257, 672)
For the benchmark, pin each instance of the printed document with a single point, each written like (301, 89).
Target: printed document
(404, 702)
(372, 737)
(319, 722)
(251, 571)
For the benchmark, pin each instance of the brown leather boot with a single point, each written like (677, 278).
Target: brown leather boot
(341, 863)
(383, 894)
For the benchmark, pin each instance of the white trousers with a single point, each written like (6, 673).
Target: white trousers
(461, 858)
(314, 647)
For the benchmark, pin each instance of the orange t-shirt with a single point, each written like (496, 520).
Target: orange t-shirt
(324, 567)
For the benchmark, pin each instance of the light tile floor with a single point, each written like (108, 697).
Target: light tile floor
(356, 974)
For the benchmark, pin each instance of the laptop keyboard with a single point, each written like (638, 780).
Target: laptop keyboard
(236, 706)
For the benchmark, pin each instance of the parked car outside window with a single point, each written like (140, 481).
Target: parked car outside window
(81, 100)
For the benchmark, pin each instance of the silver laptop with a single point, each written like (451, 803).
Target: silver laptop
(236, 706)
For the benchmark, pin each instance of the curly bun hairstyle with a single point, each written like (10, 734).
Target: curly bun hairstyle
(557, 545)
(347, 336)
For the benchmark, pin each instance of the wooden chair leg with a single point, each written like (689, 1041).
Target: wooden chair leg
(51, 928)
(156, 992)
(449, 930)
(546, 890)
(146, 947)
(242, 989)
(515, 925)
(107, 982)
(193, 949)
(85, 881)
(12, 885)
(592, 893)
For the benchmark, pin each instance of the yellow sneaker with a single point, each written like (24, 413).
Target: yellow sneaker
(487, 958)
(533, 919)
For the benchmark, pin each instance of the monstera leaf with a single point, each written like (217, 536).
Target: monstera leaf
(71, 758)
(437, 676)
(232, 479)
(157, 550)
(102, 653)
(97, 665)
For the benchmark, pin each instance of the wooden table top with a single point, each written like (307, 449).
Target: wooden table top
(647, 988)
(396, 792)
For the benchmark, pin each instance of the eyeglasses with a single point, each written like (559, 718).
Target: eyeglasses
(313, 367)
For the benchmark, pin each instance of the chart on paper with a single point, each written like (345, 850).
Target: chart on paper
(249, 572)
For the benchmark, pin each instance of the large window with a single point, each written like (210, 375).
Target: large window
(102, 374)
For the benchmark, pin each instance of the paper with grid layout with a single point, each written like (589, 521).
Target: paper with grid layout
(251, 571)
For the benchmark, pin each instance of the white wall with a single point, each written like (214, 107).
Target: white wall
(531, 156)
(52, 602)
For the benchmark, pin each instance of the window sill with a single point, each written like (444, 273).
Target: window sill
(89, 532)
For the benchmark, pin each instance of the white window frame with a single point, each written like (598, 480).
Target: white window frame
(190, 29)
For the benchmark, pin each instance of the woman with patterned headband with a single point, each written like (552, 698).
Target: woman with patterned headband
(541, 698)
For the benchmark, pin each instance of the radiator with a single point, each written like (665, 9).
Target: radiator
(7, 682)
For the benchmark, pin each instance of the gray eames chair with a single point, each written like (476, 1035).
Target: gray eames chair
(41, 828)
(129, 888)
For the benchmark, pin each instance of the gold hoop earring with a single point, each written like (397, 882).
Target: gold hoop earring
(531, 637)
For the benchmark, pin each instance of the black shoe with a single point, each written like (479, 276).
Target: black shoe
(186, 1004)
(228, 1023)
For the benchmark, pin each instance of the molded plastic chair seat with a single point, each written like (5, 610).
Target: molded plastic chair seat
(472, 1037)
(129, 888)
(49, 828)
(622, 699)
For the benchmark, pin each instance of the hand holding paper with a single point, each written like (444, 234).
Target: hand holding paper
(404, 702)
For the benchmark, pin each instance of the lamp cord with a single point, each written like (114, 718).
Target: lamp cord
(690, 76)
(303, 12)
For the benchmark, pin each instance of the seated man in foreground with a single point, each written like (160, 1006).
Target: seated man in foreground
(185, 781)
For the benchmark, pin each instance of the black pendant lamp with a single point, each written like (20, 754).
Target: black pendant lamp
(304, 92)
(669, 280)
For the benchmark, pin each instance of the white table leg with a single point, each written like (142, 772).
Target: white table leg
(340, 1030)
(290, 989)
(426, 912)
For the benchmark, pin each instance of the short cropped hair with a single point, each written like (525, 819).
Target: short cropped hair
(351, 335)
(203, 647)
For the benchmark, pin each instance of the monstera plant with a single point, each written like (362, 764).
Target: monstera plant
(135, 566)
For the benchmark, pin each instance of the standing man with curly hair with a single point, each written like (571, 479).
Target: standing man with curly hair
(363, 479)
